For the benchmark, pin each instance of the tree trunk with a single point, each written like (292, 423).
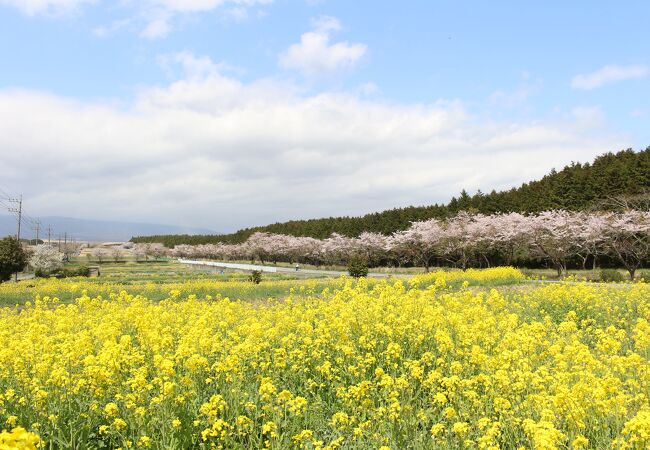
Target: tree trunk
(631, 271)
(487, 261)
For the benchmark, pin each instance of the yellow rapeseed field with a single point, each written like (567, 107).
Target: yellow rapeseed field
(383, 365)
(497, 275)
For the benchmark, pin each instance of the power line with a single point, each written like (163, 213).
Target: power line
(37, 228)
(4, 193)
(9, 202)
(18, 210)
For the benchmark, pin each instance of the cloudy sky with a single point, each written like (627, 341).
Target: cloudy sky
(230, 113)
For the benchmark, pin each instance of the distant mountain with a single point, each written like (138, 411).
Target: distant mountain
(95, 230)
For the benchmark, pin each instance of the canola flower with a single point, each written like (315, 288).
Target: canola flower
(496, 276)
(68, 290)
(19, 438)
(368, 365)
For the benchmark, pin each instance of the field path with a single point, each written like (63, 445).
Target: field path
(273, 269)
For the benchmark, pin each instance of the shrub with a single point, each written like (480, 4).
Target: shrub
(66, 272)
(645, 275)
(81, 271)
(357, 268)
(12, 257)
(256, 276)
(611, 276)
(40, 273)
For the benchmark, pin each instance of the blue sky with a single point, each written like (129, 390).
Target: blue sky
(446, 85)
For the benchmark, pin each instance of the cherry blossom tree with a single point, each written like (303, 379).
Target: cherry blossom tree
(420, 243)
(589, 231)
(262, 246)
(337, 248)
(557, 237)
(460, 238)
(628, 239)
(505, 236)
(551, 236)
(372, 247)
(46, 259)
(100, 253)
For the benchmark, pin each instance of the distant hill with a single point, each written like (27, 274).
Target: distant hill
(96, 230)
(576, 187)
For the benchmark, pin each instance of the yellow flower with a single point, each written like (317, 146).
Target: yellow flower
(19, 438)
(637, 429)
(460, 428)
(437, 429)
(270, 428)
(440, 398)
(540, 366)
(111, 409)
(580, 442)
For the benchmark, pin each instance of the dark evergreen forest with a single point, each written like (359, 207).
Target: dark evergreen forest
(595, 185)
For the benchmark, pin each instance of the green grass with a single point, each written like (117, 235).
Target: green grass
(156, 280)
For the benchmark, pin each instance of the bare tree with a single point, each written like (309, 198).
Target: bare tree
(117, 253)
(99, 254)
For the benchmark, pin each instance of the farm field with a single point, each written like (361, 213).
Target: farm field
(168, 269)
(445, 360)
(156, 280)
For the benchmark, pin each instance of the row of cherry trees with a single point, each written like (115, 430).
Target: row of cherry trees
(556, 238)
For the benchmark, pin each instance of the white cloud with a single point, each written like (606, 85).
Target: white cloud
(157, 28)
(107, 30)
(209, 150)
(608, 75)
(368, 89)
(238, 14)
(314, 55)
(589, 117)
(511, 99)
(34, 7)
(519, 96)
(192, 66)
(186, 6)
(154, 19)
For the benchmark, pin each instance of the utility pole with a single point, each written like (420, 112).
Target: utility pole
(19, 212)
(37, 227)
(49, 235)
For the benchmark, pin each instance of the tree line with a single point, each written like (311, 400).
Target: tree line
(577, 187)
(555, 238)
